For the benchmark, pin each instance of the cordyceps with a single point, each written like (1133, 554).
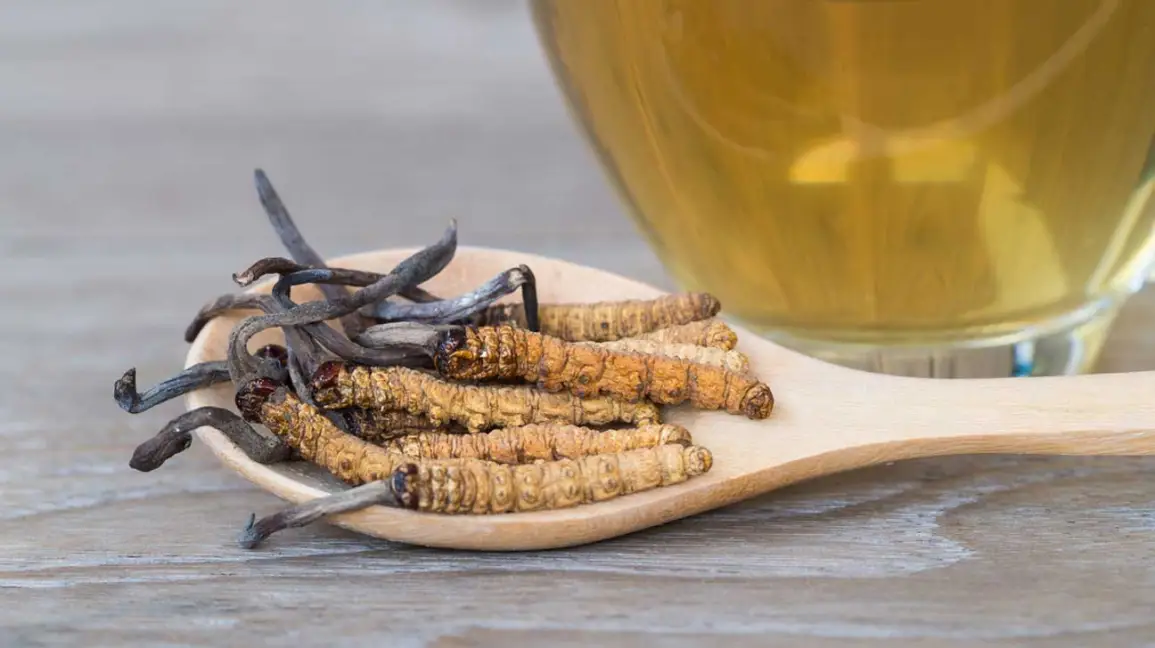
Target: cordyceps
(712, 333)
(588, 371)
(608, 320)
(475, 407)
(517, 445)
(735, 361)
(453, 404)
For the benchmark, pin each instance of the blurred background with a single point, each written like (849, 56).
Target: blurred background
(132, 127)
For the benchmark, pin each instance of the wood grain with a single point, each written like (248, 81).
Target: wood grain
(129, 132)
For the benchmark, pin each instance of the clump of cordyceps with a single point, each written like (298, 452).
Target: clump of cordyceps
(454, 404)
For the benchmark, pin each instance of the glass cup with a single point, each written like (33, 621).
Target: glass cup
(948, 188)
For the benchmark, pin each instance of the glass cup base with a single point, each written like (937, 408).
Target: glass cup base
(1070, 347)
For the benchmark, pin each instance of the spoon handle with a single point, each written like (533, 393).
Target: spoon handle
(1095, 414)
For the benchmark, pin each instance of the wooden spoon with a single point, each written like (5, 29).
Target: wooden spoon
(826, 419)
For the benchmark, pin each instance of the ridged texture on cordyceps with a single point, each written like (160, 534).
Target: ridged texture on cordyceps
(475, 407)
(590, 371)
(608, 320)
(528, 443)
(708, 333)
(474, 486)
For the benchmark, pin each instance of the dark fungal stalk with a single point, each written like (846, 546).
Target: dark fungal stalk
(386, 492)
(299, 249)
(468, 304)
(294, 241)
(324, 276)
(442, 311)
(220, 306)
(417, 268)
(196, 377)
(456, 309)
(176, 436)
(323, 333)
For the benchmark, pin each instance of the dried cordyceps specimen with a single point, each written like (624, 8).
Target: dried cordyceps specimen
(545, 484)
(473, 486)
(608, 320)
(518, 445)
(306, 429)
(589, 371)
(735, 361)
(475, 407)
(708, 333)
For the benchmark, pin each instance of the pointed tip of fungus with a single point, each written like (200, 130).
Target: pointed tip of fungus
(450, 235)
(152, 454)
(193, 330)
(249, 537)
(124, 391)
(261, 180)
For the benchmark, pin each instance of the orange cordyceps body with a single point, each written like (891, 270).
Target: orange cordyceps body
(589, 371)
(609, 320)
(517, 445)
(708, 333)
(474, 407)
(484, 487)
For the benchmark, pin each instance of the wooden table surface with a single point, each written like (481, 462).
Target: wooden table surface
(128, 133)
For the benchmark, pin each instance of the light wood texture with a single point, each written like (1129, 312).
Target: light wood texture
(826, 419)
(129, 130)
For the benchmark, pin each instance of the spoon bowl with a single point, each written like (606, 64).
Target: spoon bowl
(826, 419)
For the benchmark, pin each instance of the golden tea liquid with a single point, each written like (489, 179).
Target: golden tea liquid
(876, 170)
